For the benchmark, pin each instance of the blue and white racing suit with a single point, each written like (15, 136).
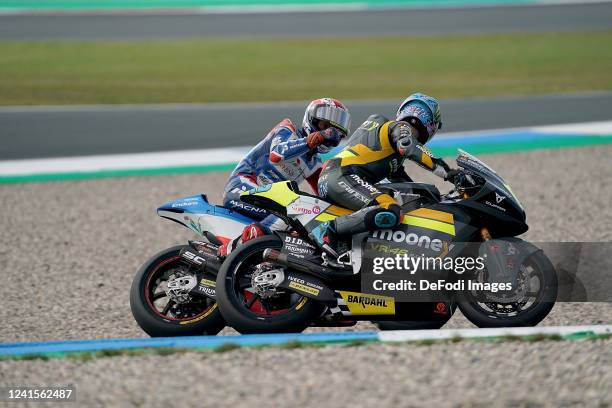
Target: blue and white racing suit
(282, 155)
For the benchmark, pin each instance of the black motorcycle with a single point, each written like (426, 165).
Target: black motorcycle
(285, 282)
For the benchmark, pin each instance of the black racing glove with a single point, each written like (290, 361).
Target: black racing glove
(453, 175)
(441, 163)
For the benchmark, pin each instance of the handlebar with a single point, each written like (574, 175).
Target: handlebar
(466, 181)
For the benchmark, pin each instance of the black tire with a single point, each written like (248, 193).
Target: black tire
(294, 319)
(531, 316)
(416, 324)
(151, 320)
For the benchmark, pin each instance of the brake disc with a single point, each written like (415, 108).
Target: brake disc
(516, 296)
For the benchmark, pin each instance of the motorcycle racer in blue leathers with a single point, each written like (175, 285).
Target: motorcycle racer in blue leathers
(287, 152)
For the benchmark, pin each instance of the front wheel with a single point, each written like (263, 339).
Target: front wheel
(250, 311)
(160, 314)
(538, 290)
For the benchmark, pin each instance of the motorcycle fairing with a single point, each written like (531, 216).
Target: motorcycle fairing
(285, 198)
(340, 302)
(275, 197)
(438, 221)
(296, 246)
(495, 198)
(431, 219)
(363, 304)
(198, 215)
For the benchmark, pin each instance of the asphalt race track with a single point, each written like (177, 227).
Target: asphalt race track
(498, 19)
(70, 131)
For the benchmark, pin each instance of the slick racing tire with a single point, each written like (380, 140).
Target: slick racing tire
(495, 314)
(246, 311)
(157, 314)
(417, 324)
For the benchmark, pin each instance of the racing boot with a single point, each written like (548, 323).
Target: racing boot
(250, 232)
(368, 219)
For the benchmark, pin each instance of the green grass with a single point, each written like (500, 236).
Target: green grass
(225, 347)
(300, 69)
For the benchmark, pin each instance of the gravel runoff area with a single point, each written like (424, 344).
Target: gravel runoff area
(465, 374)
(68, 252)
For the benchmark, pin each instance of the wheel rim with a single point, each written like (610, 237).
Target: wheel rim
(162, 305)
(254, 305)
(531, 281)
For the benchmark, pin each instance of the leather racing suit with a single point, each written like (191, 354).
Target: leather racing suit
(283, 154)
(374, 152)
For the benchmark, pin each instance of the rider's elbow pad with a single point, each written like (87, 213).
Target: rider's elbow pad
(276, 158)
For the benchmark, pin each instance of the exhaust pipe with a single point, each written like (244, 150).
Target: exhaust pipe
(302, 265)
(203, 255)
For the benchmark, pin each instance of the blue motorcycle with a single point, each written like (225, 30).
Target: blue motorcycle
(173, 293)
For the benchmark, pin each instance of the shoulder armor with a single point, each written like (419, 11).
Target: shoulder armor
(287, 123)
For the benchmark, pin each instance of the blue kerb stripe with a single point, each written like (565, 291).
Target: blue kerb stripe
(204, 342)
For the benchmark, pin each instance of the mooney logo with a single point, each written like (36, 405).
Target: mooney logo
(364, 184)
(425, 150)
(411, 238)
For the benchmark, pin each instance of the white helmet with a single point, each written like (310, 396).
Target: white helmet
(327, 110)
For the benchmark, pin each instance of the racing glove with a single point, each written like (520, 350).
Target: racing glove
(453, 175)
(329, 137)
(441, 168)
(460, 178)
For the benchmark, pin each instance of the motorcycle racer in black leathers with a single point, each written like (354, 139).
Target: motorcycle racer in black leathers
(374, 152)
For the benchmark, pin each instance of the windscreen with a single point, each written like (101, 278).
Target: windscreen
(474, 164)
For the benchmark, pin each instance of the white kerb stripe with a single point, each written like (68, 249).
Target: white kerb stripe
(133, 161)
(589, 128)
(417, 335)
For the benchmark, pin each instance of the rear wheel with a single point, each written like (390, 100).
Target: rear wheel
(250, 310)
(160, 314)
